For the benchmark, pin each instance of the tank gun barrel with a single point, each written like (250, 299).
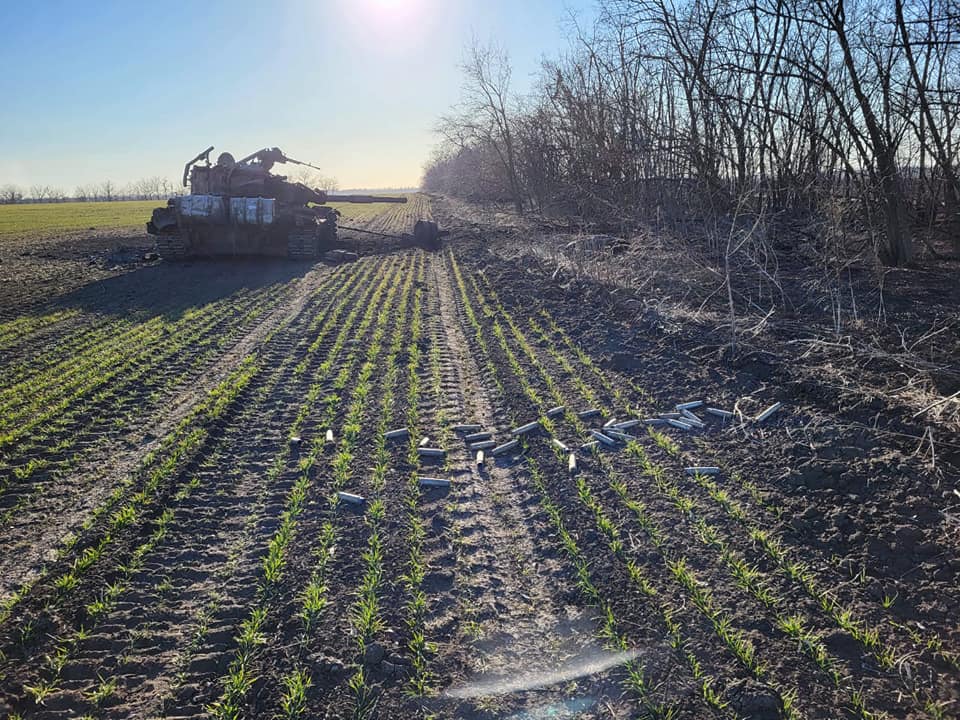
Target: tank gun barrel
(365, 199)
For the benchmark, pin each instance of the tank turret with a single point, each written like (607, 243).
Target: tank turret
(239, 207)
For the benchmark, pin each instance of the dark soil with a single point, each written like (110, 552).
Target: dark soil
(857, 495)
(534, 579)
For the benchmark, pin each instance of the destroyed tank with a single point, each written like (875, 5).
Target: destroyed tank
(239, 208)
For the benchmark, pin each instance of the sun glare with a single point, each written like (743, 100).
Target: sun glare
(388, 25)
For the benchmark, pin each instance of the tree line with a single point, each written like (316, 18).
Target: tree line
(846, 112)
(150, 188)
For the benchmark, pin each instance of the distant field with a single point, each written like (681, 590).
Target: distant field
(358, 211)
(55, 217)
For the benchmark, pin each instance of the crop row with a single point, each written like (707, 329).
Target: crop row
(23, 327)
(366, 568)
(148, 470)
(117, 310)
(105, 507)
(241, 671)
(188, 437)
(28, 403)
(217, 403)
(65, 441)
(401, 218)
(722, 621)
(56, 362)
(313, 597)
(278, 468)
(416, 606)
(746, 576)
(44, 353)
(677, 566)
(274, 390)
(275, 559)
(610, 631)
(126, 372)
(366, 615)
(184, 352)
(890, 644)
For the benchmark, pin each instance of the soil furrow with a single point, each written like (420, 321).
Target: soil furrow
(226, 508)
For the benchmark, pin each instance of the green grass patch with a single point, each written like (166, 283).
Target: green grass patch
(362, 211)
(56, 217)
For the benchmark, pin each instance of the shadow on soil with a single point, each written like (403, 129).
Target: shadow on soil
(170, 289)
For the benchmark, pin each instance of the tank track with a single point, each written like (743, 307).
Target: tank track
(302, 244)
(174, 246)
(309, 242)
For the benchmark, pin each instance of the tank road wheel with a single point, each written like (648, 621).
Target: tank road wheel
(302, 244)
(173, 246)
(426, 234)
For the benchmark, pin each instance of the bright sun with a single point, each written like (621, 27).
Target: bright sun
(405, 8)
(388, 25)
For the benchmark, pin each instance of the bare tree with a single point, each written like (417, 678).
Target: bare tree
(882, 140)
(150, 188)
(10, 194)
(142, 189)
(170, 188)
(483, 115)
(314, 178)
(933, 131)
(834, 110)
(107, 191)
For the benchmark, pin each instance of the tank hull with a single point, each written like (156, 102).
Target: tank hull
(210, 226)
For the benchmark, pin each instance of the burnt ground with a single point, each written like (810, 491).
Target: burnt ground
(148, 480)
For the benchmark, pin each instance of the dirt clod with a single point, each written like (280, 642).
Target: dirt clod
(373, 654)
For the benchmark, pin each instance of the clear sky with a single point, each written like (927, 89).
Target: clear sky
(91, 91)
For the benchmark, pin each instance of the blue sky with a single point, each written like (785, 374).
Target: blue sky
(122, 90)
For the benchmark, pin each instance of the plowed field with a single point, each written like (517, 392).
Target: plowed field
(180, 447)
